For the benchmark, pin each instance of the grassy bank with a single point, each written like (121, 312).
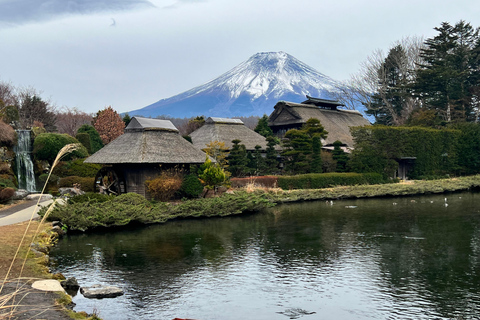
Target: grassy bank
(129, 208)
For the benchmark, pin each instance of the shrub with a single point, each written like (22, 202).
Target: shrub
(95, 140)
(5, 168)
(326, 180)
(191, 186)
(7, 181)
(165, 186)
(6, 194)
(77, 167)
(90, 197)
(47, 145)
(86, 183)
(211, 174)
(84, 139)
(8, 136)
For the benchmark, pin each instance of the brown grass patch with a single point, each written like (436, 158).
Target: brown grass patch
(10, 237)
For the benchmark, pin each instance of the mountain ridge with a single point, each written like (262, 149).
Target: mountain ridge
(251, 88)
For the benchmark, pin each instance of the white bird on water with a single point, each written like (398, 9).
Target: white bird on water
(446, 204)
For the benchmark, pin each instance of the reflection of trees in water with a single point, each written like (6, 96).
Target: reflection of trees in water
(417, 248)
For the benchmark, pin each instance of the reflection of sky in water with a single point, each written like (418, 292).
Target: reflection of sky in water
(374, 261)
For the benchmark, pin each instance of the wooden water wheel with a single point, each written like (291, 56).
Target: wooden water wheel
(107, 181)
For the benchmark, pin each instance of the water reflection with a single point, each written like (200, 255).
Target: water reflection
(405, 258)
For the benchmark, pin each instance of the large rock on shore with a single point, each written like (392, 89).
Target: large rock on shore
(99, 292)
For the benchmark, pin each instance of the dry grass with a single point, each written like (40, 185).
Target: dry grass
(18, 262)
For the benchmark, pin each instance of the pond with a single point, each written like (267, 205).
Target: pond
(393, 258)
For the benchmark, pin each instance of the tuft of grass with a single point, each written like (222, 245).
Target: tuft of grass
(10, 302)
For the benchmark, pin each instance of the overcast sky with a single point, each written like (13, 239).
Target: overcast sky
(90, 54)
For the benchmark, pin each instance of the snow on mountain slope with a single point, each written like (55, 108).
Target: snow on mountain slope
(251, 88)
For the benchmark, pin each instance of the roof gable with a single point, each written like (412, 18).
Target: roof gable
(141, 124)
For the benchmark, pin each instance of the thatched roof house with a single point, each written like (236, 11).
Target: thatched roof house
(225, 130)
(138, 154)
(289, 115)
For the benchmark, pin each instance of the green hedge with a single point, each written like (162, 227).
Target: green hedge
(47, 145)
(378, 149)
(86, 183)
(327, 180)
(76, 167)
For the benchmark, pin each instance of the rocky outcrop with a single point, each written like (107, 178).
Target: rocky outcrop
(99, 292)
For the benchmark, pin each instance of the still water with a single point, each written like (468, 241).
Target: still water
(396, 258)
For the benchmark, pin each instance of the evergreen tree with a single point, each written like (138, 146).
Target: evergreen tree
(237, 159)
(95, 140)
(299, 145)
(271, 161)
(340, 156)
(447, 79)
(263, 128)
(393, 99)
(126, 118)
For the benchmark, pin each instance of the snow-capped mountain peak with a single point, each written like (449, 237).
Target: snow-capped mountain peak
(251, 88)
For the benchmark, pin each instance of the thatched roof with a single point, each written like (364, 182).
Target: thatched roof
(225, 130)
(337, 122)
(148, 141)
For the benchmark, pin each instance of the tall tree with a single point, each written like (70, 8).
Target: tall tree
(33, 108)
(109, 124)
(449, 75)
(302, 147)
(381, 84)
(263, 128)
(95, 140)
(237, 159)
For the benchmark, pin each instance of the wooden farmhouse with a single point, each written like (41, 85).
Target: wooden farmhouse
(147, 147)
(289, 115)
(225, 130)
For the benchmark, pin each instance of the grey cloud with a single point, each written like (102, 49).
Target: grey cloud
(24, 11)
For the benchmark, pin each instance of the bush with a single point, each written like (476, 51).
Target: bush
(77, 167)
(86, 183)
(6, 194)
(326, 180)
(90, 197)
(47, 145)
(5, 168)
(191, 186)
(84, 139)
(165, 186)
(8, 137)
(7, 181)
(95, 140)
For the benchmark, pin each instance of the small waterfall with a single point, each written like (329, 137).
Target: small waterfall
(23, 150)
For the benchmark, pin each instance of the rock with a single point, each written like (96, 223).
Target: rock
(59, 277)
(99, 291)
(20, 194)
(58, 230)
(47, 285)
(70, 191)
(70, 284)
(56, 224)
(39, 247)
(35, 196)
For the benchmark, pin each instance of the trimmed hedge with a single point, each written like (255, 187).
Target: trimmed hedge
(327, 180)
(76, 167)
(86, 183)
(47, 145)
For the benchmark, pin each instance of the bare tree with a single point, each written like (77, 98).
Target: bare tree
(372, 85)
(69, 120)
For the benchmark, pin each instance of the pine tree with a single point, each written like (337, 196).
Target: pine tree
(263, 128)
(446, 80)
(393, 99)
(271, 161)
(340, 156)
(237, 159)
(299, 151)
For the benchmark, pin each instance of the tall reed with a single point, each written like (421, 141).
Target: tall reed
(7, 301)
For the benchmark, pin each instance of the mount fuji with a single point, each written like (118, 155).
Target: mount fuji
(251, 88)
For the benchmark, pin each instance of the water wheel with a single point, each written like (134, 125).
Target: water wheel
(107, 181)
